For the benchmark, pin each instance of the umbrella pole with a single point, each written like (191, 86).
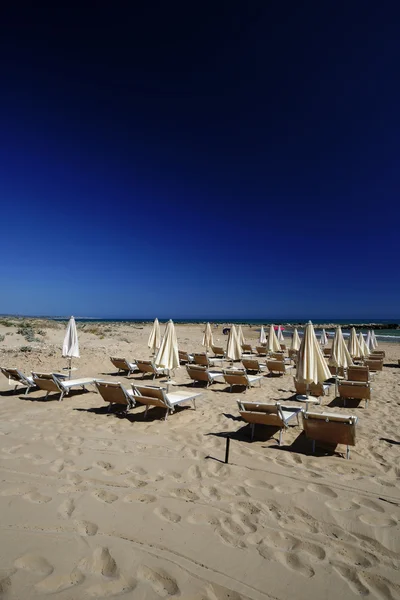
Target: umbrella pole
(69, 367)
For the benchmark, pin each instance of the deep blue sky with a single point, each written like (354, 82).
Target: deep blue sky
(203, 159)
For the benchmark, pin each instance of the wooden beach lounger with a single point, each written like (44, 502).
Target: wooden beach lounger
(313, 389)
(218, 351)
(147, 366)
(359, 373)
(239, 377)
(201, 358)
(278, 366)
(329, 428)
(156, 396)
(247, 349)
(201, 373)
(16, 378)
(273, 415)
(374, 364)
(185, 357)
(261, 350)
(115, 393)
(50, 383)
(123, 365)
(253, 365)
(359, 390)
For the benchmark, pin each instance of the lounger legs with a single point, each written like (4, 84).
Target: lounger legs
(26, 391)
(61, 396)
(194, 404)
(47, 395)
(145, 411)
(313, 446)
(280, 437)
(253, 426)
(348, 453)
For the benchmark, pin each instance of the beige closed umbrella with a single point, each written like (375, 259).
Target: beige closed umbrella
(240, 335)
(374, 340)
(168, 356)
(295, 345)
(70, 348)
(208, 337)
(363, 345)
(233, 348)
(311, 365)
(273, 345)
(263, 337)
(369, 343)
(353, 345)
(280, 337)
(340, 356)
(154, 337)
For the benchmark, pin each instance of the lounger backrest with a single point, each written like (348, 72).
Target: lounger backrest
(151, 396)
(113, 392)
(15, 375)
(327, 352)
(277, 356)
(251, 364)
(323, 427)
(336, 370)
(358, 373)
(197, 372)
(293, 353)
(261, 350)
(120, 363)
(145, 366)
(283, 347)
(266, 414)
(374, 364)
(380, 353)
(236, 377)
(218, 350)
(314, 389)
(183, 355)
(47, 382)
(247, 348)
(354, 389)
(200, 358)
(276, 365)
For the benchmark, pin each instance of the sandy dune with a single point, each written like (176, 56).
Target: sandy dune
(95, 504)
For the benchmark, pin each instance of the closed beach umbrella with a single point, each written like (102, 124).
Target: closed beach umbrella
(369, 343)
(208, 337)
(70, 347)
(311, 365)
(340, 356)
(240, 335)
(374, 340)
(323, 339)
(233, 349)
(263, 337)
(354, 346)
(154, 337)
(273, 345)
(280, 337)
(363, 345)
(295, 345)
(168, 355)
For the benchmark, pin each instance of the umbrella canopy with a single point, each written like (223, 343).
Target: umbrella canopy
(168, 355)
(374, 340)
(340, 356)
(363, 345)
(369, 343)
(263, 337)
(273, 344)
(240, 335)
(295, 345)
(280, 337)
(233, 349)
(323, 339)
(70, 347)
(353, 345)
(208, 337)
(154, 337)
(311, 365)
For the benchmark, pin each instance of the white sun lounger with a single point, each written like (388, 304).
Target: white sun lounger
(115, 393)
(201, 373)
(155, 396)
(50, 383)
(239, 377)
(16, 378)
(273, 415)
(123, 365)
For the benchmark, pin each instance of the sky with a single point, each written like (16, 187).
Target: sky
(214, 159)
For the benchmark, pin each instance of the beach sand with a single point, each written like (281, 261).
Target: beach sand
(95, 504)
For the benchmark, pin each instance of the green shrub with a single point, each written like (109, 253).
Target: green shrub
(25, 349)
(2, 338)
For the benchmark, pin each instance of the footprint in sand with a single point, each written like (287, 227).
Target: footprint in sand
(259, 483)
(218, 592)
(202, 519)
(184, 494)
(296, 563)
(342, 505)
(34, 564)
(115, 587)
(167, 515)
(160, 581)
(211, 492)
(351, 578)
(367, 503)
(194, 472)
(66, 508)
(144, 498)
(100, 563)
(18, 490)
(375, 520)
(86, 528)
(37, 497)
(104, 496)
(322, 489)
(135, 482)
(288, 488)
(59, 582)
(217, 470)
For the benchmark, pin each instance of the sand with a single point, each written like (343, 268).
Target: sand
(95, 504)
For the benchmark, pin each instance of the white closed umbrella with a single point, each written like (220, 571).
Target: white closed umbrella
(208, 337)
(340, 356)
(323, 338)
(363, 345)
(374, 340)
(295, 345)
(273, 345)
(168, 356)
(353, 345)
(263, 337)
(233, 348)
(280, 337)
(311, 365)
(240, 335)
(154, 337)
(70, 347)
(369, 343)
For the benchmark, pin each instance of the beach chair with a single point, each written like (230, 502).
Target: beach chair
(115, 393)
(330, 428)
(358, 390)
(219, 352)
(378, 353)
(374, 364)
(278, 366)
(317, 390)
(293, 355)
(201, 373)
(283, 347)
(123, 365)
(327, 352)
(156, 396)
(247, 349)
(253, 365)
(185, 357)
(148, 366)
(273, 415)
(336, 371)
(48, 382)
(359, 373)
(201, 358)
(16, 378)
(239, 377)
